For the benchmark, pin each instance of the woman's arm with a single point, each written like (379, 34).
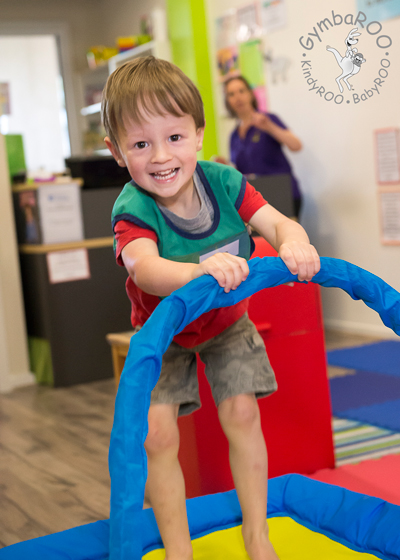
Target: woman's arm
(290, 240)
(281, 135)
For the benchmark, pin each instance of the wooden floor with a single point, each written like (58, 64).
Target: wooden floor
(54, 451)
(53, 459)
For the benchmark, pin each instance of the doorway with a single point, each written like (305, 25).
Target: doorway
(33, 100)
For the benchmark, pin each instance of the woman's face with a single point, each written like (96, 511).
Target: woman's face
(239, 97)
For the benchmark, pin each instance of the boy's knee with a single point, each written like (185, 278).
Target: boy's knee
(162, 439)
(239, 412)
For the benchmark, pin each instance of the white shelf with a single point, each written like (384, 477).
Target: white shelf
(91, 109)
(103, 152)
(119, 59)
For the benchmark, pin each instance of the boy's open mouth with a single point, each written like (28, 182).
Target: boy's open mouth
(165, 175)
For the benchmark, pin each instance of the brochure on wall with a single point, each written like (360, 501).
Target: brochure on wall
(60, 213)
(251, 62)
(273, 15)
(226, 30)
(228, 62)
(389, 199)
(261, 97)
(66, 266)
(248, 26)
(379, 10)
(227, 51)
(387, 142)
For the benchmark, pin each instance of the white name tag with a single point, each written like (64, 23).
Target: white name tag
(232, 248)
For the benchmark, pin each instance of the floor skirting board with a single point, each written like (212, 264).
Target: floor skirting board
(12, 381)
(363, 329)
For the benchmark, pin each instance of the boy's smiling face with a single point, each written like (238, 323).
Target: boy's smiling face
(160, 154)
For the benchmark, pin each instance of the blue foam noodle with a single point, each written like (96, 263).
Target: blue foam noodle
(127, 459)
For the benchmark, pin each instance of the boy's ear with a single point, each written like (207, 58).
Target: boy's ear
(115, 152)
(200, 137)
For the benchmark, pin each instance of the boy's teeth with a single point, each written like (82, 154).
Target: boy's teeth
(165, 174)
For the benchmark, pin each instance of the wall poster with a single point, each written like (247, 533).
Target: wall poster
(389, 202)
(379, 10)
(273, 15)
(227, 50)
(387, 143)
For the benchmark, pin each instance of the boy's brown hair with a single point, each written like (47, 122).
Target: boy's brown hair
(148, 85)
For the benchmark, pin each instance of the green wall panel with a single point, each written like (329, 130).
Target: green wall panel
(187, 28)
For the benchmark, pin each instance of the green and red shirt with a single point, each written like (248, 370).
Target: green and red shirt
(136, 215)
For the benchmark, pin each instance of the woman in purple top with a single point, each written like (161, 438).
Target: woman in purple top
(256, 143)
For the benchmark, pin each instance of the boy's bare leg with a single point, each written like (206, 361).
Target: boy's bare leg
(165, 486)
(240, 420)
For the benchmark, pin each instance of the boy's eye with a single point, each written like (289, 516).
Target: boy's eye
(175, 137)
(141, 145)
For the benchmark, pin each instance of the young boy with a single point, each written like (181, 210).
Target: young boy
(175, 221)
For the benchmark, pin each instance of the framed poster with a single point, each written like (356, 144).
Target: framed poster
(248, 26)
(387, 144)
(60, 212)
(389, 206)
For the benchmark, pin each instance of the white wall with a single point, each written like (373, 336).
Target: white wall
(336, 168)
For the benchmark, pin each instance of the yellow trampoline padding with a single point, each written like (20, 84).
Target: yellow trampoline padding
(291, 540)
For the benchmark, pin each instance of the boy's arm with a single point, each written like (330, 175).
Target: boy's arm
(158, 276)
(289, 239)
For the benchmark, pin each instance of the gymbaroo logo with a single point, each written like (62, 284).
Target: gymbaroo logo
(368, 69)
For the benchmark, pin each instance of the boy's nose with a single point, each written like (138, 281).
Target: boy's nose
(160, 154)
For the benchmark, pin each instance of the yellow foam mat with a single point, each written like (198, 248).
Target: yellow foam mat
(291, 541)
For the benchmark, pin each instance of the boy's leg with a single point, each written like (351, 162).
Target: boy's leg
(165, 484)
(237, 368)
(240, 420)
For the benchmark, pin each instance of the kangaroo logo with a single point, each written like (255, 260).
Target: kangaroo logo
(351, 62)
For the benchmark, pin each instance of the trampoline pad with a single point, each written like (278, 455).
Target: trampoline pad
(307, 519)
(302, 544)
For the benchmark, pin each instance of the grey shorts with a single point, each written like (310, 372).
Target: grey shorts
(236, 363)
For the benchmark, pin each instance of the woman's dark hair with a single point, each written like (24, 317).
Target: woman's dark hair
(246, 83)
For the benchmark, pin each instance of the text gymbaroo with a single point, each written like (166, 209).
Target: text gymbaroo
(351, 62)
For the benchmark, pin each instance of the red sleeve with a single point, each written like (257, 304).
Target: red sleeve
(125, 232)
(252, 201)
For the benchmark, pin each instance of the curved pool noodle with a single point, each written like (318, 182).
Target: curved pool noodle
(127, 457)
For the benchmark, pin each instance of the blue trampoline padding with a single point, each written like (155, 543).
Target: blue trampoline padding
(127, 458)
(385, 415)
(363, 388)
(87, 542)
(380, 357)
(363, 523)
